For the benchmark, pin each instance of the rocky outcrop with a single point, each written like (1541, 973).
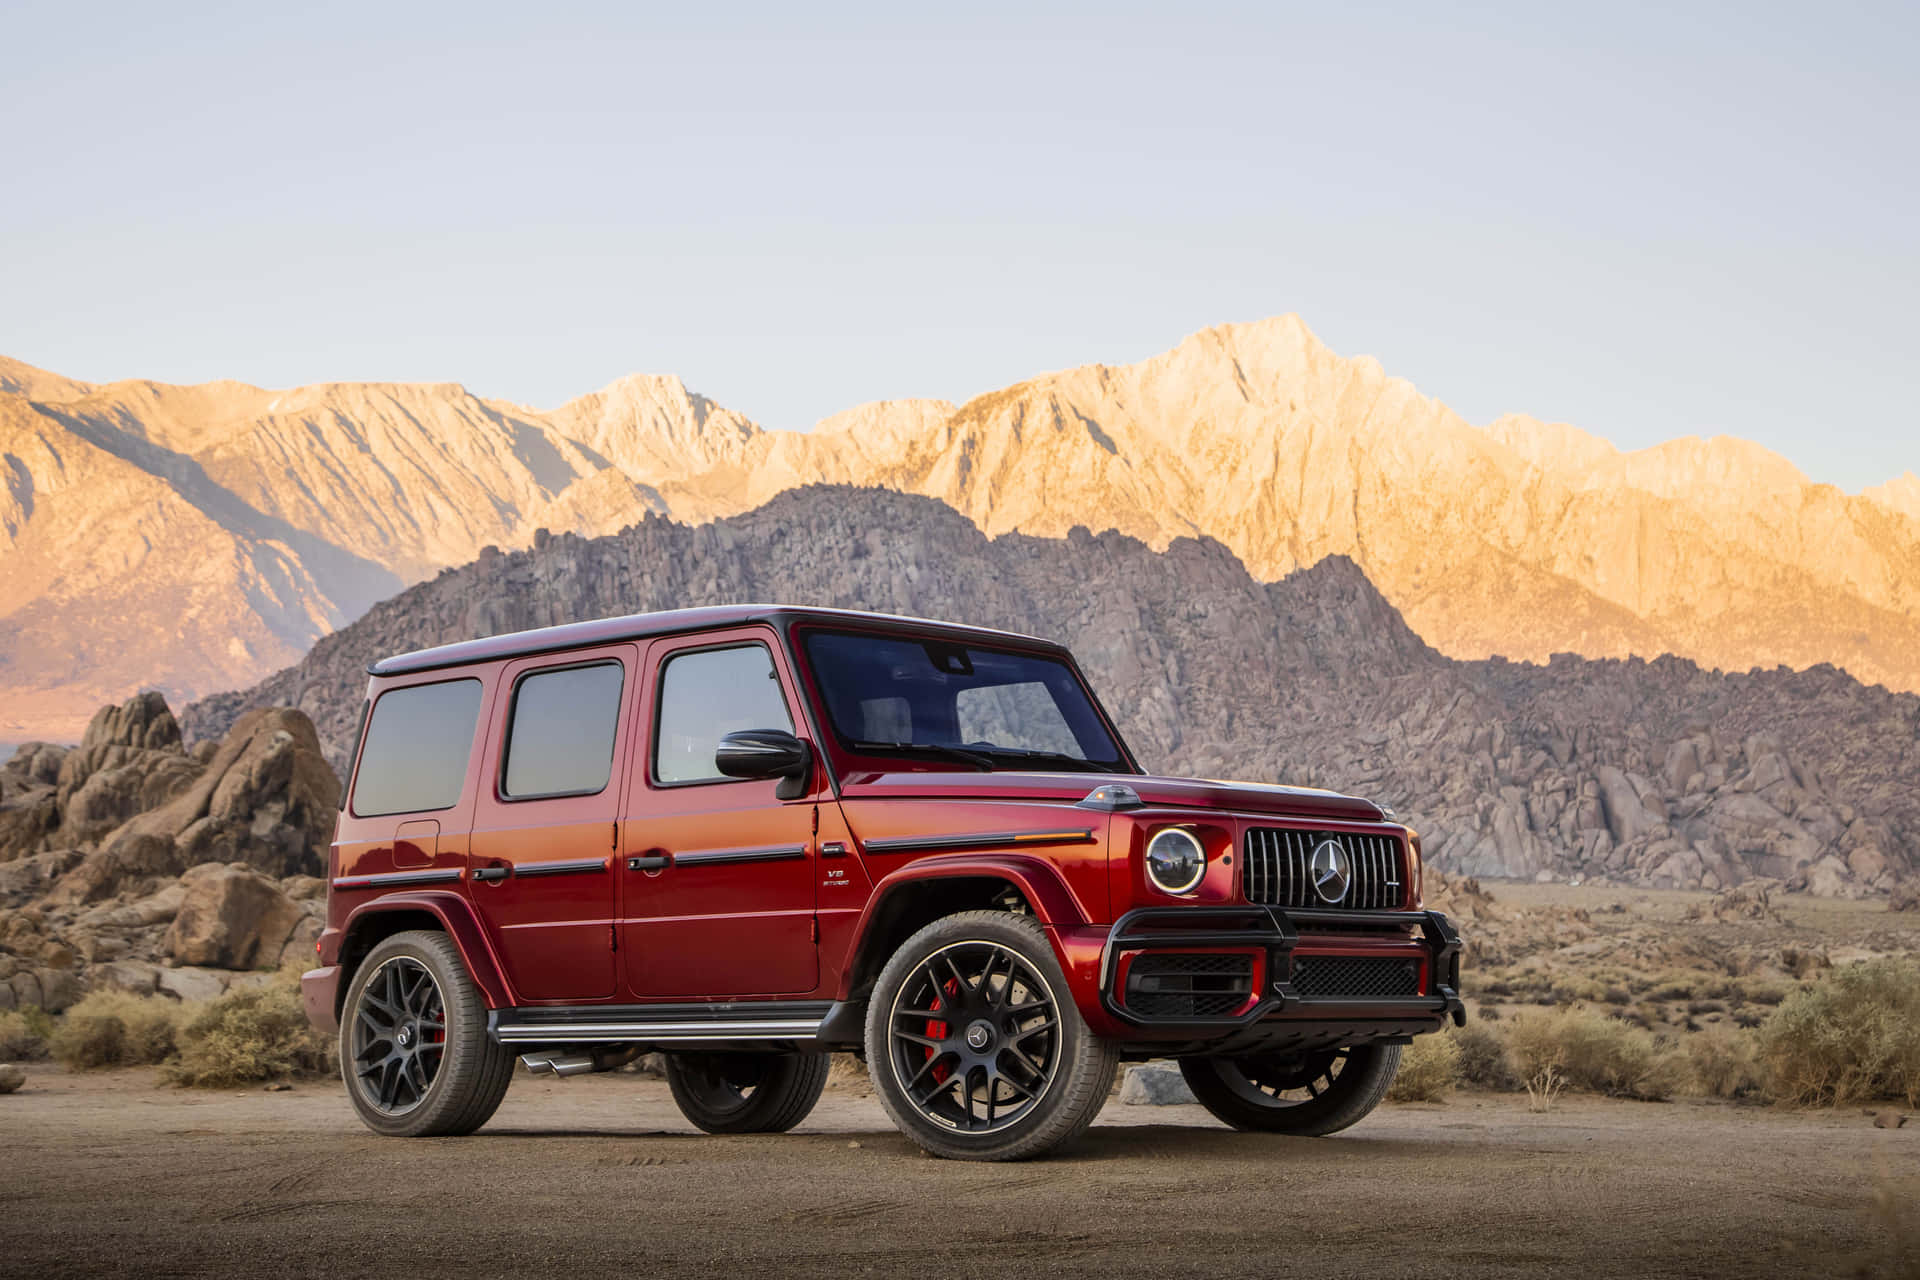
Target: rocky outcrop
(201, 537)
(133, 863)
(1654, 773)
(231, 917)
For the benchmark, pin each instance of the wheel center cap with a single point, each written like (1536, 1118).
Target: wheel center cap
(405, 1037)
(979, 1036)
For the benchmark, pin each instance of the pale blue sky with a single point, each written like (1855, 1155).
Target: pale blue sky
(1645, 220)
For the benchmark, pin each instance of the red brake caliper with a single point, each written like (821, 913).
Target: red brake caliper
(938, 1030)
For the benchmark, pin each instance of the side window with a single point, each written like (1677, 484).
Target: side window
(418, 742)
(561, 731)
(706, 695)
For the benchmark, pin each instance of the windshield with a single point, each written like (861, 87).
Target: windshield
(975, 707)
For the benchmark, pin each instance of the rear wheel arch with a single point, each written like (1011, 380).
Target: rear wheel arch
(376, 921)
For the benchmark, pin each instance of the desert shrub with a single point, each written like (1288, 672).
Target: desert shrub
(1726, 1063)
(1488, 1012)
(1672, 987)
(1766, 991)
(1595, 1053)
(1617, 995)
(1429, 1068)
(1483, 1057)
(24, 1034)
(116, 1029)
(1853, 1036)
(250, 1034)
(1699, 1007)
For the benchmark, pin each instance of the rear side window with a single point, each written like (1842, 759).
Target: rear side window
(704, 696)
(561, 740)
(418, 742)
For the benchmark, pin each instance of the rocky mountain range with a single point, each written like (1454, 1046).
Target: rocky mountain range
(1659, 773)
(197, 538)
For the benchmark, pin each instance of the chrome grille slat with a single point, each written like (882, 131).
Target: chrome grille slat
(1278, 868)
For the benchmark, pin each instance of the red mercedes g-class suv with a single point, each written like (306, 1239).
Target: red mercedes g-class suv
(745, 837)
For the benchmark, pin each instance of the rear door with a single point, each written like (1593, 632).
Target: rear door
(718, 878)
(544, 832)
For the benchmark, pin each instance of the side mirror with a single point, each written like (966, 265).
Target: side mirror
(766, 753)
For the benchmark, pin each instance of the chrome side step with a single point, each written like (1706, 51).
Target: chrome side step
(652, 1032)
(660, 1024)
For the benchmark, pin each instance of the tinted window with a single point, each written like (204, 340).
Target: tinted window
(418, 741)
(930, 699)
(561, 740)
(706, 695)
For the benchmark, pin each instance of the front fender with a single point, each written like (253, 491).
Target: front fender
(457, 918)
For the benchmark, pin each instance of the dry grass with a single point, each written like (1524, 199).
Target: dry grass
(1595, 1053)
(250, 1035)
(1852, 1037)
(1544, 1088)
(1726, 1063)
(1484, 1062)
(116, 1029)
(1429, 1069)
(24, 1034)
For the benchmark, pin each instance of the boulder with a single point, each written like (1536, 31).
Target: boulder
(267, 798)
(231, 917)
(1155, 1084)
(11, 1078)
(193, 983)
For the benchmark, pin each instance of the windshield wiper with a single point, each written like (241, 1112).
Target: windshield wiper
(1075, 764)
(974, 758)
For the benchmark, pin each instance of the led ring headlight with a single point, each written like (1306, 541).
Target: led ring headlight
(1175, 860)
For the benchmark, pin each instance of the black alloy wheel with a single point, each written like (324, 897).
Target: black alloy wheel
(414, 1047)
(975, 1047)
(746, 1092)
(399, 1035)
(975, 1037)
(1311, 1093)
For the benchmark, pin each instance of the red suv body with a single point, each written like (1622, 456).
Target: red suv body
(747, 836)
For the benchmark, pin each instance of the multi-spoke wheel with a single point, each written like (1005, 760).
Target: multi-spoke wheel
(974, 1043)
(746, 1092)
(399, 1034)
(1311, 1093)
(414, 1047)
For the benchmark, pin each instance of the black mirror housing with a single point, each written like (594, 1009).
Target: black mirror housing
(766, 753)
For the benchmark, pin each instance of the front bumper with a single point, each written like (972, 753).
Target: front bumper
(1275, 937)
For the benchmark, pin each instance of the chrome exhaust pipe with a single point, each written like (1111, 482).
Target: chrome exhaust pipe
(558, 1064)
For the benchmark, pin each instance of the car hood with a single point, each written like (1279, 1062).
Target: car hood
(1156, 792)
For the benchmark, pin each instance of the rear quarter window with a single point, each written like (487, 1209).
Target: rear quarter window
(418, 742)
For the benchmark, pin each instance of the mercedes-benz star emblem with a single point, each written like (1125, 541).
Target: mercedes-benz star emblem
(1332, 871)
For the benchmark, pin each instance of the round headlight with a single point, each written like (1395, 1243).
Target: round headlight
(1175, 860)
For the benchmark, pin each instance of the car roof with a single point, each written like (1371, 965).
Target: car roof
(635, 626)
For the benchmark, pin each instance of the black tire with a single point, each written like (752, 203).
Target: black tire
(1310, 1094)
(409, 1073)
(746, 1092)
(1016, 1074)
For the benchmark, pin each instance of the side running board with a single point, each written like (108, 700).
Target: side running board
(793, 1020)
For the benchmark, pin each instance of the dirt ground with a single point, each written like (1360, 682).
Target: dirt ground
(106, 1174)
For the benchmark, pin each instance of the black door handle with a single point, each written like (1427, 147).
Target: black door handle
(490, 875)
(647, 862)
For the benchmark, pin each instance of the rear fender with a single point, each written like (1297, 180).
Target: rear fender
(457, 918)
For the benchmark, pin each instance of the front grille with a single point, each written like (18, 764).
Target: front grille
(1355, 977)
(1279, 868)
(1189, 986)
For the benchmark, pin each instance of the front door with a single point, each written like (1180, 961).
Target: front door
(542, 853)
(718, 873)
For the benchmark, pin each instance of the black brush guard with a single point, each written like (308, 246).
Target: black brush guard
(1276, 930)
